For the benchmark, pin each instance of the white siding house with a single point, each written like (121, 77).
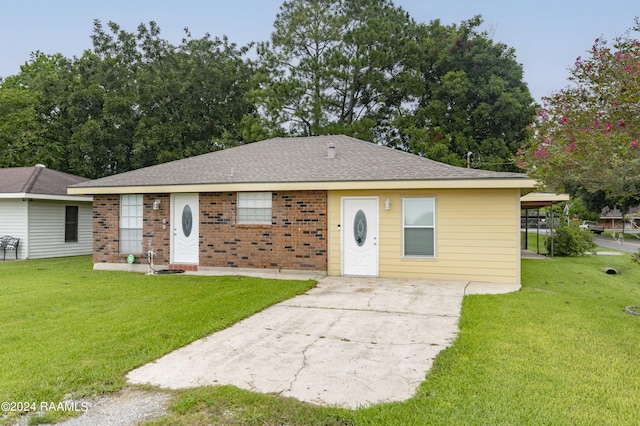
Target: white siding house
(34, 207)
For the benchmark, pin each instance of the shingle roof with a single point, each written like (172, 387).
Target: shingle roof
(36, 180)
(303, 159)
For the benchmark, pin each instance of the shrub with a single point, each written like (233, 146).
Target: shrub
(570, 240)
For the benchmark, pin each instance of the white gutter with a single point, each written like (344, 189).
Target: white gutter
(26, 195)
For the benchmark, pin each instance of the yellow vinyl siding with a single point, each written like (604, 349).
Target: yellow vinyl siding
(477, 235)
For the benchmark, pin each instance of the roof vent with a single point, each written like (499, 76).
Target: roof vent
(331, 153)
(41, 165)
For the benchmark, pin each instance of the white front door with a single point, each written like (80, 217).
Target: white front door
(360, 236)
(186, 235)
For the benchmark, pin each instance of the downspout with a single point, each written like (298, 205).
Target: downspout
(28, 231)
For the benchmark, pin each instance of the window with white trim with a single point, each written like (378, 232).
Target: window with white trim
(418, 227)
(131, 223)
(254, 208)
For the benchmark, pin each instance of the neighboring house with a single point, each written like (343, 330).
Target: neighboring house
(612, 219)
(327, 203)
(35, 207)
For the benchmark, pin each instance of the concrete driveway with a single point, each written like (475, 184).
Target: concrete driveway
(349, 342)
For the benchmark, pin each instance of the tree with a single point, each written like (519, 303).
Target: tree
(20, 131)
(334, 66)
(586, 137)
(132, 101)
(473, 99)
(32, 109)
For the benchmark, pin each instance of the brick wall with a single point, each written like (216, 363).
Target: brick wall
(153, 236)
(296, 238)
(106, 229)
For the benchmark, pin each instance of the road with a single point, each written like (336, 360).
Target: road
(630, 244)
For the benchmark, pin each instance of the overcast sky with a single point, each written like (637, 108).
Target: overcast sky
(548, 35)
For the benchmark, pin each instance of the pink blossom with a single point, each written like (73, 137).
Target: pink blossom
(634, 144)
(621, 123)
(607, 134)
(547, 141)
(627, 68)
(609, 126)
(615, 103)
(563, 120)
(519, 153)
(541, 152)
(595, 124)
(571, 146)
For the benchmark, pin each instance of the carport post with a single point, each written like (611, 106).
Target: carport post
(526, 229)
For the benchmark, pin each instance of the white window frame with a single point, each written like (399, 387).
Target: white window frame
(254, 208)
(131, 223)
(405, 227)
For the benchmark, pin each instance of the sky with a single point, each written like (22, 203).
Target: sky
(547, 35)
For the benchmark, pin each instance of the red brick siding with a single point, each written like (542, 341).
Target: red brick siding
(296, 238)
(106, 229)
(153, 236)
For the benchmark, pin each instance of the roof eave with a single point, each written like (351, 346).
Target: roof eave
(494, 183)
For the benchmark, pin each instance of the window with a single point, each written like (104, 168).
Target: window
(419, 226)
(71, 224)
(131, 224)
(254, 208)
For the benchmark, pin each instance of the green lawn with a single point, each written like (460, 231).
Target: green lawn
(536, 242)
(69, 330)
(561, 351)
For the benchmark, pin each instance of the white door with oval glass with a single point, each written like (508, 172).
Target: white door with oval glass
(360, 236)
(186, 234)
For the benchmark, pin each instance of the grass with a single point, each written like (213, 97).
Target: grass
(68, 330)
(536, 242)
(561, 351)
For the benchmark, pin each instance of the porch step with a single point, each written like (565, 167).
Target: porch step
(184, 267)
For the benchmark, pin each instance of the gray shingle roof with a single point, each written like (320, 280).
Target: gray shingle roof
(36, 180)
(303, 159)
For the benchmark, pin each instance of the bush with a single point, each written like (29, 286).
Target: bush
(571, 240)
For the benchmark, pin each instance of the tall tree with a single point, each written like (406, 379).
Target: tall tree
(473, 100)
(36, 102)
(334, 65)
(133, 100)
(586, 136)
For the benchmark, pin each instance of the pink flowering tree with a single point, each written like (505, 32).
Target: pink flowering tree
(586, 136)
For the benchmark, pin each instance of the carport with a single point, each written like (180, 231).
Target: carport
(536, 201)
